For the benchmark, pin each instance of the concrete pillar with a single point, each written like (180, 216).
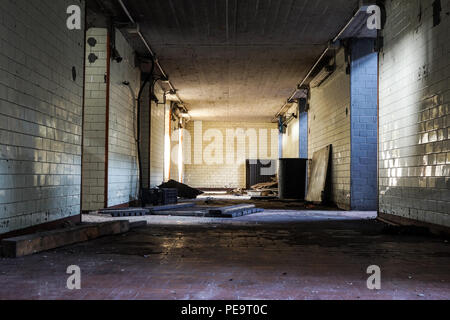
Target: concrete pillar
(364, 127)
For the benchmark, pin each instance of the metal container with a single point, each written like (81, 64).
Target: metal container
(292, 177)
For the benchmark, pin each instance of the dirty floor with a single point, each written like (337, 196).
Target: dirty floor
(271, 255)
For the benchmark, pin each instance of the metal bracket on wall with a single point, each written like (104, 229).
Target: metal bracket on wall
(348, 55)
(281, 126)
(379, 44)
(437, 9)
(303, 105)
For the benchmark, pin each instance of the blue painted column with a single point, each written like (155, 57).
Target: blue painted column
(280, 141)
(364, 126)
(303, 135)
(303, 126)
(303, 119)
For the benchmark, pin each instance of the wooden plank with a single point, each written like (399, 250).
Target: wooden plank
(43, 241)
(319, 172)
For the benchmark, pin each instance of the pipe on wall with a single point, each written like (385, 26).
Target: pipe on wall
(108, 87)
(152, 53)
(138, 140)
(300, 85)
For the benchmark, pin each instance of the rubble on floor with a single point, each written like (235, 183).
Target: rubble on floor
(184, 191)
(266, 189)
(238, 192)
(273, 185)
(234, 211)
(186, 209)
(125, 212)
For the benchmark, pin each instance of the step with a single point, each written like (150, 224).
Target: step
(43, 241)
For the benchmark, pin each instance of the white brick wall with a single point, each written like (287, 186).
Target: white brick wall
(174, 143)
(122, 159)
(414, 113)
(94, 123)
(291, 144)
(226, 175)
(145, 136)
(40, 113)
(122, 152)
(330, 124)
(157, 143)
(167, 142)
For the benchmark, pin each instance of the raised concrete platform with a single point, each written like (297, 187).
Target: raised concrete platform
(43, 241)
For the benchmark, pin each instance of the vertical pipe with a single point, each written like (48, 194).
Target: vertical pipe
(138, 140)
(170, 140)
(180, 155)
(149, 134)
(83, 108)
(378, 133)
(108, 86)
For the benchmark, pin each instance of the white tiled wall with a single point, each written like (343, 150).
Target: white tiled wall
(145, 136)
(95, 123)
(233, 174)
(414, 113)
(122, 160)
(174, 143)
(157, 143)
(329, 123)
(40, 113)
(291, 144)
(122, 168)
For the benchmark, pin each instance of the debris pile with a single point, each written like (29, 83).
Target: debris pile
(266, 189)
(184, 191)
(189, 209)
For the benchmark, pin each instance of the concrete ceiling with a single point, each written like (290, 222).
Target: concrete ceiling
(236, 60)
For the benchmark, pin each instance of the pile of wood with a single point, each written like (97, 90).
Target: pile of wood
(265, 189)
(265, 186)
(238, 192)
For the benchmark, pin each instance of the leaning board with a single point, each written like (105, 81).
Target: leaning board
(318, 179)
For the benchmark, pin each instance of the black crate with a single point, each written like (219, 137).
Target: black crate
(292, 175)
(168, 196)
(151, 197)
(159, 197)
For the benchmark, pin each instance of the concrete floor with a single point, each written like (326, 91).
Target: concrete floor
(272, 255)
